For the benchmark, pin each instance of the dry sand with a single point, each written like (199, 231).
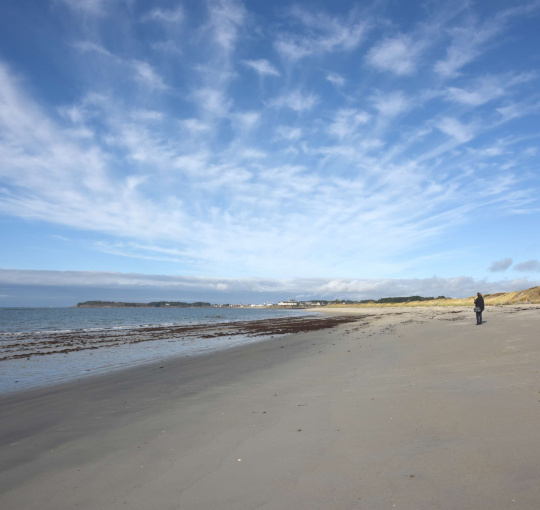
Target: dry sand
(406, 408)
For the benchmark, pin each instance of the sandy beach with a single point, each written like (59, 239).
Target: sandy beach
(414, 408)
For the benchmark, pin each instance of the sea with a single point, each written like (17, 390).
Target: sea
(39, 371)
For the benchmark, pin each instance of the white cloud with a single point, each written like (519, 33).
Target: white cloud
(213, 100)
(38, 154)
(140, 252)
(320, 34)
(513, 111)
(347, 121)
(467, 44)
(253, 154)
(191, 163)
(398, 55)
(485, 89)
(165, 15)
(491, 151)
(146, 75)
(471, 39)
(296, 101)
(195, 125)
(292, 50)
(226, 18)
(289, 133)
(262, 66)
(454, 128)
(147, 115)
(247, 120)
(143, 72)
(306, 288)
(461, 286)
(289, 177)
(263, 205)
(73, 113)
(90, 46)
(95, 7)
(336, 79)
(391, 104)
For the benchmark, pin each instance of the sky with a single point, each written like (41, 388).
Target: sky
(254, 151)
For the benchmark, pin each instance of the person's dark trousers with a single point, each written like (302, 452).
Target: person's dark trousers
(478, 317)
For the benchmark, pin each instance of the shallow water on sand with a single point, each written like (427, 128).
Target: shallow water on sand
(16, 320)
(44, 323)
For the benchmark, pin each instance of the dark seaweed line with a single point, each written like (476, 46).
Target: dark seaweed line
(65, 343)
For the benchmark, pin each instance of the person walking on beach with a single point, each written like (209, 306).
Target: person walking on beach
(479, 308)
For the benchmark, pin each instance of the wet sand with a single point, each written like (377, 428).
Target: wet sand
(402, 408)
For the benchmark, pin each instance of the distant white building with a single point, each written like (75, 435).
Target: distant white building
(288, 303)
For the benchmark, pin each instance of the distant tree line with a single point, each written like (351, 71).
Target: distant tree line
(401, 299)
(180, 304)
(405, 299)
(153, 304)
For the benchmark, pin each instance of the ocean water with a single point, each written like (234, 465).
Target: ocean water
(37, 371)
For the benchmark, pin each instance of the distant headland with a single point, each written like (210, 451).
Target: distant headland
(291, 303)
(153, 304)
(529, 296)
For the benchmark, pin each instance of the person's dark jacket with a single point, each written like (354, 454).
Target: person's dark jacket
(479, 302)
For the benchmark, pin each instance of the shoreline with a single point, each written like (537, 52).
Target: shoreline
(35, 359)
(44, 343)
(415, 408)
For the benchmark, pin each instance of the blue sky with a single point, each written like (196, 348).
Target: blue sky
(249, 150)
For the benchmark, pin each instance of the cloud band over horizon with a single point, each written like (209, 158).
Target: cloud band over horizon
(107, 285)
